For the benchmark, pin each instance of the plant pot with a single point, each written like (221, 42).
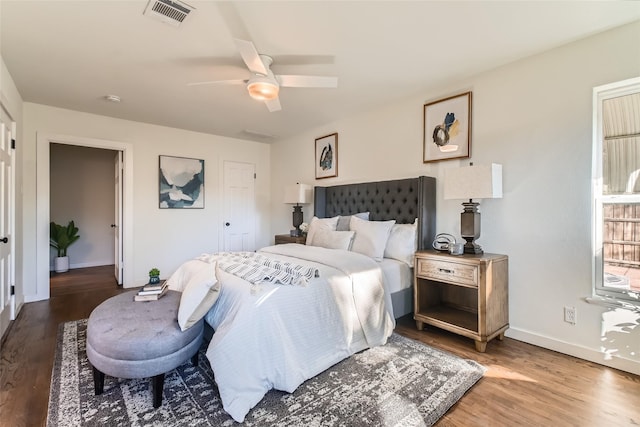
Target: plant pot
(61, 264)
(154, 279)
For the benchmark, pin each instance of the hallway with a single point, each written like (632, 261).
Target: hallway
(80, 280)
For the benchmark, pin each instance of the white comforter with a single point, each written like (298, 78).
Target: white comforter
(283, 335)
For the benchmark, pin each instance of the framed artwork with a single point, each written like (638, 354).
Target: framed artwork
(447, 129)
(181, 183)
(327, 156)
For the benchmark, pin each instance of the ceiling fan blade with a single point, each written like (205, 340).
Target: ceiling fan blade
(232, 20)
(219, 82)
(307, 81)
(273, 105)
(251, 57)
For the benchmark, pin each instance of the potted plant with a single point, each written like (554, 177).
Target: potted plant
(60, 238)
(154, 276)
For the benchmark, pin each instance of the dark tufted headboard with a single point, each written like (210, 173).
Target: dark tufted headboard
(400, 199)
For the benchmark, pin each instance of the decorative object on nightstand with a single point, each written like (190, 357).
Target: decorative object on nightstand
(472, 182)
(304, 229)
(298, 194)
(464, 294)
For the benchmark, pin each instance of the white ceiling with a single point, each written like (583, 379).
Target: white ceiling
(70, 54)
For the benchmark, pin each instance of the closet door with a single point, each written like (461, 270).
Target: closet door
(239, 217)
(7, 209)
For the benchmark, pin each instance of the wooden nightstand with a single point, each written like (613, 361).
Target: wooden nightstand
(465, 294)
(285, 238)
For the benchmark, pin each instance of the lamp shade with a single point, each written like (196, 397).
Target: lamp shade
(298, 194)
(473, 182)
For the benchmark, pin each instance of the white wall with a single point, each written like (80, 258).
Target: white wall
(163, 238)
(82, 189)
(534, 117)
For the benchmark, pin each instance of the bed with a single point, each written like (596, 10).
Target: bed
(403, 200)
(274, 335)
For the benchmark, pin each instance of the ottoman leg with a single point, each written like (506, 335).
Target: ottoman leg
(98, 381)
(157, 385)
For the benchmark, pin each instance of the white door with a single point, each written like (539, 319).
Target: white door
(239, 207)
(117, 225)
(7, 244)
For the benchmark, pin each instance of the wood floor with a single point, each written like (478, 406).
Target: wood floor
(524, 384)
(27, 352)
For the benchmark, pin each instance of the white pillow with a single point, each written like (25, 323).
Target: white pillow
(320, 224)
(199, 294)
(344, 221)
(403, 242)
(179, 279)
(371, 236)
(333, 239)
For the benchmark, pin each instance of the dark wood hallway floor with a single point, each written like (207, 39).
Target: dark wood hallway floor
(524, 385)
(28, 350)
(82, 280)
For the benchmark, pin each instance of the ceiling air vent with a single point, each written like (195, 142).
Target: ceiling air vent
(256, 134)
(167, 11)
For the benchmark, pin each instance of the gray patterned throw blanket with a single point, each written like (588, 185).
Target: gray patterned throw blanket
(257, 269)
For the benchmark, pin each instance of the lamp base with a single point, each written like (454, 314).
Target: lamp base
(472, 248)
(297, 218)
(470, 227)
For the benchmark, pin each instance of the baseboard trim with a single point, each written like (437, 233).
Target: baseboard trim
(91, 264)
(35, 298)
(85, 265)
(580, 352)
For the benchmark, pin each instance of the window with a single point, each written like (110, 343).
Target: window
(616, 191)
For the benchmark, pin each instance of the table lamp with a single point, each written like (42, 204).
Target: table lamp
(298, 194)
(472, 182)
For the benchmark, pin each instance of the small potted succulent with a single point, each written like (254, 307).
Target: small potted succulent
(154, 276)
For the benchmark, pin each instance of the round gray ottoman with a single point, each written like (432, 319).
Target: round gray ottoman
(136, 339)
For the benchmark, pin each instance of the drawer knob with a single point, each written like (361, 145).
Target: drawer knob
(445, 270)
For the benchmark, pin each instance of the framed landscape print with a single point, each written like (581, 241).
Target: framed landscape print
(181, 183)
(447, 129)
(327, 156)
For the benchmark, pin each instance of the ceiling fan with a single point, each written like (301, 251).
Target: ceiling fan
(263, 85)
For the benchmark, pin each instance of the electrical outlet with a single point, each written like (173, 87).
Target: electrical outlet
(570, 315)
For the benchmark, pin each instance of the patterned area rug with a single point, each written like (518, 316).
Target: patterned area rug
(404, 383)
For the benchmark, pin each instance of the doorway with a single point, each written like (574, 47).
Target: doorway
(43, 206)
(82, 189)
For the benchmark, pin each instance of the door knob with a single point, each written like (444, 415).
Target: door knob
(227, 224)
(113, 226)
(4, 240)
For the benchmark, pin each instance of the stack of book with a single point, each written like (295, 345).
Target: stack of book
(151, 292)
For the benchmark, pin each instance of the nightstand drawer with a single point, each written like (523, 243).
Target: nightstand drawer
(448, 271)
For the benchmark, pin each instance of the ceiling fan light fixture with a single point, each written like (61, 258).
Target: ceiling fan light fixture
(263, 89)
